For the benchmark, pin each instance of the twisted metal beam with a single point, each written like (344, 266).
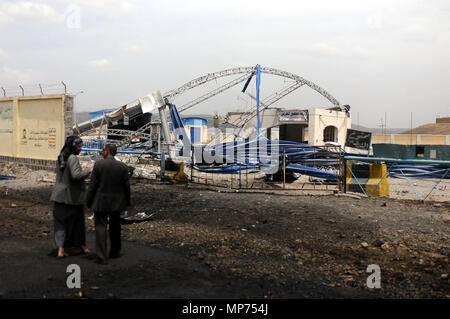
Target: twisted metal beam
(214, 92)
(265, 104)
(117, 132)
(248, 70)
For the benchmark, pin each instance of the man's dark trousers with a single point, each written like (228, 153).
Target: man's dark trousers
(101, 222)
(108, 195)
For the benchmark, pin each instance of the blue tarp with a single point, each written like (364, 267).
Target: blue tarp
(178, 127)
(261, 152)
(418, 172)
(311, 171)
(100, 113)
(6, 177)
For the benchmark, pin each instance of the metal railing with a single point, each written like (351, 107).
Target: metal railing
(254, 177)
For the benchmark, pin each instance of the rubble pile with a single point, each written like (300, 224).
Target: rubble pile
(140, 170)
(13, 169)
(24, 177)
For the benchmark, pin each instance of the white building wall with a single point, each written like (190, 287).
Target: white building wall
(318, 120)
(321, 118)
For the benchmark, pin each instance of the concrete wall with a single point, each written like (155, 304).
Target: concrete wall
(414, 139)
(7, 145)
(35, 127)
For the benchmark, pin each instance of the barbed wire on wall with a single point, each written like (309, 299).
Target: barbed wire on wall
(33, 89)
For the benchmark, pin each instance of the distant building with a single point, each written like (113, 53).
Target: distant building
(429, 134)
(197, 129)
(314, 126)
(441, 127)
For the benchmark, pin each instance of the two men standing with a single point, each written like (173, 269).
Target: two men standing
(108, 195)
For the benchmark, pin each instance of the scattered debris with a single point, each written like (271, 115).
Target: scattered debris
(378, 243)
(135, 218)
(180, 176)
(364, 244)
(46, 180)
(349, 195)
(7, 177)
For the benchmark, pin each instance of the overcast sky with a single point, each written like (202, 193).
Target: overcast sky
(377, 56)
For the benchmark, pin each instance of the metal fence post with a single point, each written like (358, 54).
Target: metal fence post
(284, 167)
(192, 163)
(163, 164)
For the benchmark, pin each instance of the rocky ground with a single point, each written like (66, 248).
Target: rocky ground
(219, 243)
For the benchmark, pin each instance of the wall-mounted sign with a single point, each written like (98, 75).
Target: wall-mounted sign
(358, 139)
(293, 117)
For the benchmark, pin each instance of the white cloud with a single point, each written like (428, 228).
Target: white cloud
(136, 46)
(419, 33)
(327, 50)
(111, 8)
(418, 22)
(15, 76)
(3, 54)
(265, 7)
(99, 63)
(4, 18)
(30, 11)
(375, 21)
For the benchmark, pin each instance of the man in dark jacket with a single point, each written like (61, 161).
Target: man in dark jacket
(108, 195)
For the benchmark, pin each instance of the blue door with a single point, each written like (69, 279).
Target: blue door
(196, 134)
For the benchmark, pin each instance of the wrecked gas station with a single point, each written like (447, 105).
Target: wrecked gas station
(270, 202)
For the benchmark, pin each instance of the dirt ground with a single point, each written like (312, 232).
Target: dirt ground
(206, 242)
